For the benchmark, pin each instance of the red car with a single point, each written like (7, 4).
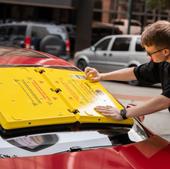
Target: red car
(56, 139)
(13, 56)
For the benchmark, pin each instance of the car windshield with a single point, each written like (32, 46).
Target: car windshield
(75, 138)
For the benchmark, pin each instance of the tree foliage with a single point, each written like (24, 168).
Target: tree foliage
(157, 4)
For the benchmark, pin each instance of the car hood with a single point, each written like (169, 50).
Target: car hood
(24, 60)
(84, 50)
(152, 153)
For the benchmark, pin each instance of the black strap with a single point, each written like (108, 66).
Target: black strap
(123, 114)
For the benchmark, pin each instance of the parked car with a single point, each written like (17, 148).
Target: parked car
(113, 53)
(122, 24)
(45, 37)
(48, 121)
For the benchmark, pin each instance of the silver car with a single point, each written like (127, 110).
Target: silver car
(112, 53)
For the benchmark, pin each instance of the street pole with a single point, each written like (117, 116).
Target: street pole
(144, 17)
(129, 15)
(84, 24)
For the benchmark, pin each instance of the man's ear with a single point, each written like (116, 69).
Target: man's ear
(166, 52)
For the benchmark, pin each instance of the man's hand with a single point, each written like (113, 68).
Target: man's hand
(92, 74)
(109, 111)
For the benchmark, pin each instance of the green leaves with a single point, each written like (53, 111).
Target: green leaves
(158, 4)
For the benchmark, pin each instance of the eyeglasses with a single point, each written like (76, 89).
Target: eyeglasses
(150, 54)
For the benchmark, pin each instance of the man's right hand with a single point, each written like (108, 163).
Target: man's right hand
(92, 74)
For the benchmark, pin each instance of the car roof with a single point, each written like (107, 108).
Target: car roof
(49, 25)
(29, 23)
(124, 35)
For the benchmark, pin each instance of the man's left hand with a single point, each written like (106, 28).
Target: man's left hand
(109, 111)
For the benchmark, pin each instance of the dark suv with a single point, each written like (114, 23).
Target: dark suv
(48, 38)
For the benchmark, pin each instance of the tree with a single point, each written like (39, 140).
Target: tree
(157, 4)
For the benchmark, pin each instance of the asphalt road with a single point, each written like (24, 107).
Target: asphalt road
(158, 122)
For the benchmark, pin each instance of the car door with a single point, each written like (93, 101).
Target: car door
(119, 53)
(99, 58)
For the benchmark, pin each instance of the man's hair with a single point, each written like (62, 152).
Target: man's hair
(157, 34)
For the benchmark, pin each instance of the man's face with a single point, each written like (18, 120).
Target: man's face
(158, 54)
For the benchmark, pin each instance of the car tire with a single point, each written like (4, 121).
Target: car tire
(82, 64)
(52, 44)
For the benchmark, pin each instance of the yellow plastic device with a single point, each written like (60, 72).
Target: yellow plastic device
(32, 96)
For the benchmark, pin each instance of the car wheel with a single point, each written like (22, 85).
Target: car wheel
(82, 64)
(53, 45)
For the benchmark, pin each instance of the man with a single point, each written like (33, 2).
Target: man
(156, 41)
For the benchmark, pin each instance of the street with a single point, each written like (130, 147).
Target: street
(157, 122)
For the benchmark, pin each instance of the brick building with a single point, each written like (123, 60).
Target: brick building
(108, 10)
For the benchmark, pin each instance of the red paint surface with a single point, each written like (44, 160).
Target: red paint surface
(153, 153)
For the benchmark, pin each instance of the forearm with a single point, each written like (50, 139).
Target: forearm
(119, 75)
(153, 105)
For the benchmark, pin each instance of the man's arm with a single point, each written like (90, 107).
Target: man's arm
(153, 105)
(119, 75)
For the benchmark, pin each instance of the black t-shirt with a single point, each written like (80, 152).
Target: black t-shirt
(155, 73)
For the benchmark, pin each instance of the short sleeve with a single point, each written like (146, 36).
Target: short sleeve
(166, 80)
(148, 73)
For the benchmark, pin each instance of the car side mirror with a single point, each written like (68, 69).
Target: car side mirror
(93, 48)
